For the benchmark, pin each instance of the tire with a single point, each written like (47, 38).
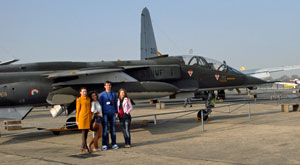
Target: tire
(56, 132)
(205, 114)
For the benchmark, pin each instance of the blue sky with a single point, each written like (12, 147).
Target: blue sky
(250, 33)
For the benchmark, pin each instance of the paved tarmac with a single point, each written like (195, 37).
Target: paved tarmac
(270, 137)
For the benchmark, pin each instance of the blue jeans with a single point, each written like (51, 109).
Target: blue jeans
(111, 118)
(126, 130)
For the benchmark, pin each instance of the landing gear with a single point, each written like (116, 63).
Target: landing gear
(205, 114)
(187, 101)
(221, 94)
(210, 103)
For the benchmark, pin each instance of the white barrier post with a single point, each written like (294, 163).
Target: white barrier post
(202, 122)
(249, 111)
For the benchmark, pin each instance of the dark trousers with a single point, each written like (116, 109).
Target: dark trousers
(126, 130)
(84, 134)
(111, 118)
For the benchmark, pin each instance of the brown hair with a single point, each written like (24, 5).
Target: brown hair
(122, 89)
(107, 82)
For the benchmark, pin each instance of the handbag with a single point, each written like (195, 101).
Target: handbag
(127, 116)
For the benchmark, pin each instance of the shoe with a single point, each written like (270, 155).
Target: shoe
(95, 150)
(104, 148)
(89, 148)
(85, 150)
(127, 146)
(115, 146)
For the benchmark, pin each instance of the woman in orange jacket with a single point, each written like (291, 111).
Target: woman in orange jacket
(83, 117)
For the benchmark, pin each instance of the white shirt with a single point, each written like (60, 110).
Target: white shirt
(96, 108)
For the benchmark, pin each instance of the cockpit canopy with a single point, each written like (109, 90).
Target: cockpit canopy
(208, 62)
(194, 60)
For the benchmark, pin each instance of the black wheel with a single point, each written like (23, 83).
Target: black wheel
(221, 95)
(56, 132)
(205, 114)
(71, 125)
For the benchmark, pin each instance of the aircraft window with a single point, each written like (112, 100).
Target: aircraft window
(187, 59)
(223, 68)
(193, 61)
(233, 70)
(202, 61)
(213, 63)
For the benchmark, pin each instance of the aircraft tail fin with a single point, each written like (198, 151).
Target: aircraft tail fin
(148, 43)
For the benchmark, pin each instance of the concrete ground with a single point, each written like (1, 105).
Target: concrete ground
(270, 137)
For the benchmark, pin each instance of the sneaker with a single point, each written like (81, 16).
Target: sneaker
(115, 146)
(127, 146)
(104, 148)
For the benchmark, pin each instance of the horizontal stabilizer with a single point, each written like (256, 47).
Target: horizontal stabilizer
(9, 62)
(18, 113)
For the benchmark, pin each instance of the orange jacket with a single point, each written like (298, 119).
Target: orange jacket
(83, 112)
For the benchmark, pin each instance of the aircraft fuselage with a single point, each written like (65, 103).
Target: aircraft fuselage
(28, 84)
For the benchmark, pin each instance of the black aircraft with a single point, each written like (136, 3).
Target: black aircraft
(58, 82)
(23, 86)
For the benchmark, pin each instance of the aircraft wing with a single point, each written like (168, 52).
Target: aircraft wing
(265, 72)
(73, 73)
(89, 71)
(91, 76)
